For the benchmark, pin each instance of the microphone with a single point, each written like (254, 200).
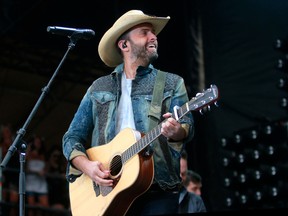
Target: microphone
(72, 32)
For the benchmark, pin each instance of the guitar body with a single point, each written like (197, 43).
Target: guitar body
(134, 179)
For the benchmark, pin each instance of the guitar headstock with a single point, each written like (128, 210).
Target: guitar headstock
(204, 99)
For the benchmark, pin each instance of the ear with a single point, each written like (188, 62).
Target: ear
(122, 44)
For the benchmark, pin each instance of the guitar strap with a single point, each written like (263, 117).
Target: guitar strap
(155, 108)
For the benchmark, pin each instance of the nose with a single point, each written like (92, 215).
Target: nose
(152, 36)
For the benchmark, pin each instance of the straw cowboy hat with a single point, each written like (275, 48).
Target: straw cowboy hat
(107, 48)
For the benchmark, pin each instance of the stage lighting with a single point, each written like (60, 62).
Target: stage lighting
(283, 84)
(281, 45)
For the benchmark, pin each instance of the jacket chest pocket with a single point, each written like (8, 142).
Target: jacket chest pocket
(103, 102)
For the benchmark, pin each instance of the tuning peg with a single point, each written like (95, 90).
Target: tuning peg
(204, 109)
(216, 104)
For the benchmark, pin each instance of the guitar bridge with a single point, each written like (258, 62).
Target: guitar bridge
(96, 189)
(103, 190)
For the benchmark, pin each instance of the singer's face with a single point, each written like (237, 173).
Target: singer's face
(143, 43)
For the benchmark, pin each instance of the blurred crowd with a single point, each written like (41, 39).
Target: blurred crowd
(46, 189)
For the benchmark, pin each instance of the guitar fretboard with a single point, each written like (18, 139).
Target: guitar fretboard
(151, 136)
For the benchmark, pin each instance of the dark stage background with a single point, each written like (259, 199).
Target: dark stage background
(240, 147)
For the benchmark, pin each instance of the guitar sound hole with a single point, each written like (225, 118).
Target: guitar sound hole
(116, 166)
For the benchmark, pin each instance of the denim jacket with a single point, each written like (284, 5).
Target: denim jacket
(94, 122)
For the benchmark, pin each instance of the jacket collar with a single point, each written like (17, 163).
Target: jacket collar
(141, 71)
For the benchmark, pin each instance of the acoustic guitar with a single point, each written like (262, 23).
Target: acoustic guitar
(131, 169)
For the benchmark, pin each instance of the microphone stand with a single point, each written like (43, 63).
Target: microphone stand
(18, 142)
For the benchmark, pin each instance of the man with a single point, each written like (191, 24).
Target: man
(119, 101)
(193, 182)
(183, 164)
(190, 200)
(191, 179)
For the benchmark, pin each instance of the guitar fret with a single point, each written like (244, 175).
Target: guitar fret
(128, 153)
(142, 142)
(181, 112)
(149, 136)
(158, 131)
(138, 147)
(125, 156)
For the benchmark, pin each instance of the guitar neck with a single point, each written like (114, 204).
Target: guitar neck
(152, 135)
(198, 102)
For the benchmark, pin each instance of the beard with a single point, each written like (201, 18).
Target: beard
(153, 56)
(144, 54)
